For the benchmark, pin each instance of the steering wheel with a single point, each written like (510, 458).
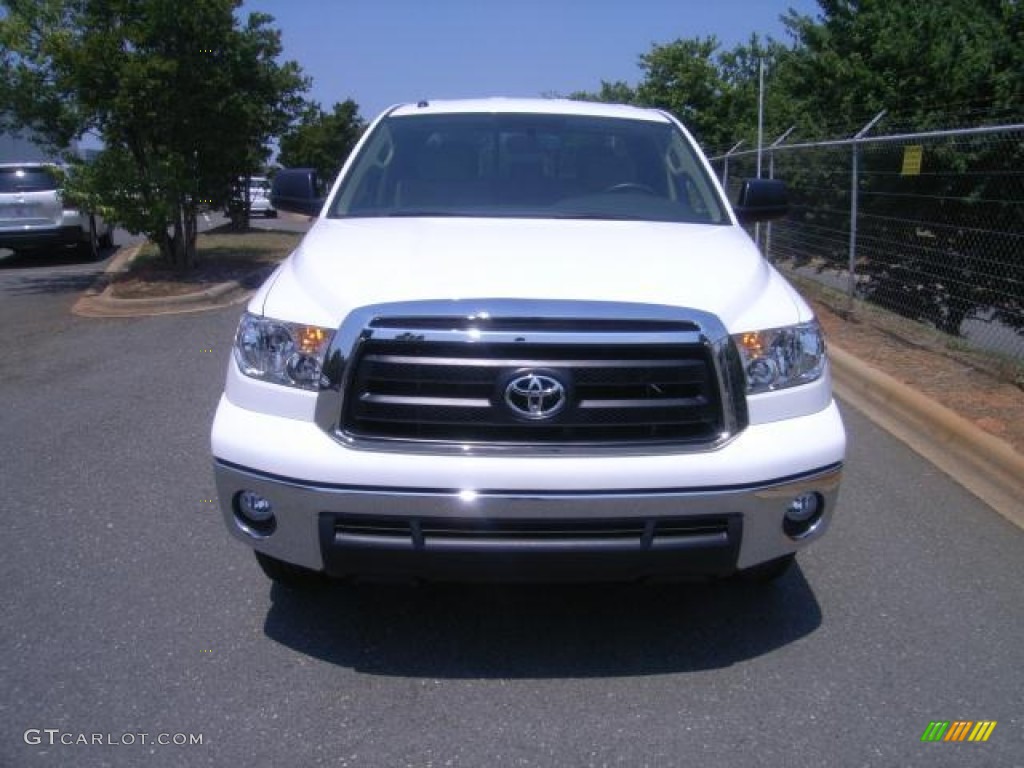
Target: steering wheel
(630, 186)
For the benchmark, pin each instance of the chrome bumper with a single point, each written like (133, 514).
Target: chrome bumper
(445, 533)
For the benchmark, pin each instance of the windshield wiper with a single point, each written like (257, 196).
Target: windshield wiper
(599, 216)
(424, 212)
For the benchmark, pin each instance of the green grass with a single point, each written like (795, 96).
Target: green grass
(253, 246)
(246, 257)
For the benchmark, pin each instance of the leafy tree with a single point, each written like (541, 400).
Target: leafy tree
(930, 63)
(714, 92)
(943, 244)
(183, 97)
(322, 140)
(617, 92)
(735, 109)
(683, 78)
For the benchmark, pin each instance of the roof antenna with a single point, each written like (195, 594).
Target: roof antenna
(422, 103)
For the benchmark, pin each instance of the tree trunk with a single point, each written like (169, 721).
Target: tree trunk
(166, 246)
(238, 206)
(191, 217)
(178, 242)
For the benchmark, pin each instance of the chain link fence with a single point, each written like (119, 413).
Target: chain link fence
(927, 227)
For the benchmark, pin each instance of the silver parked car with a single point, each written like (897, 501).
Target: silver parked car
(35, 214)
(259, 198)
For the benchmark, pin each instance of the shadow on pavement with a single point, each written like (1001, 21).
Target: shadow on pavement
(463, 631)
(66, 283)
(54, 271)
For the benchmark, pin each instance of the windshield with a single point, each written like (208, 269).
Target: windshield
(549, 166)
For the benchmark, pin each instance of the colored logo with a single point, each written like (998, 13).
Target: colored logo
(958, 730)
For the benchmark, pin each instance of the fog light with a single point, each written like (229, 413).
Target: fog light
(803, 513)
(254, 506)
(254, 513)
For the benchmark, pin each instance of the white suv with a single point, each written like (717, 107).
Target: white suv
(34, 214)
(527, 340)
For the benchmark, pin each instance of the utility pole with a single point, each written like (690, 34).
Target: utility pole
(760, 112)
(760, 133)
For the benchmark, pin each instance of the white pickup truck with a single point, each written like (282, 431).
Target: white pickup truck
(527, 340)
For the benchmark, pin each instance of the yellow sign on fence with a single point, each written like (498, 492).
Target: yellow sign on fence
(912, 154)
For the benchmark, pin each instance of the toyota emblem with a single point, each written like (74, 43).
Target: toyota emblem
(535, 396)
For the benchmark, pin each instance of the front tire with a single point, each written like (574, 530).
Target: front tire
(290, 575)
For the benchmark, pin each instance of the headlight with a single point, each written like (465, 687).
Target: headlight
(781, 357)
(279, 352)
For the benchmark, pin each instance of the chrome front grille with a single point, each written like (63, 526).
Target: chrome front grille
(631, 383)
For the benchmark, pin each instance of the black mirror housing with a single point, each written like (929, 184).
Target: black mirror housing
(762, 200)
(297, 190)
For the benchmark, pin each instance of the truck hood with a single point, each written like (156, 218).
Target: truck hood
(345, 264)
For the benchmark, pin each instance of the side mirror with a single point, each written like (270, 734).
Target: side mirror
(297, 190)
(761, 200)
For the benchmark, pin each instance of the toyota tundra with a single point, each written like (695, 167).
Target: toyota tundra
(527, 340)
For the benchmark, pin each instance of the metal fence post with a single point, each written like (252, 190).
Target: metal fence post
(851, 289)
(852, 276)
(725, 164)
(771, 175)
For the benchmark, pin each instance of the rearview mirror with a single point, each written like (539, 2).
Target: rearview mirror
(761, 200)
(297, 190)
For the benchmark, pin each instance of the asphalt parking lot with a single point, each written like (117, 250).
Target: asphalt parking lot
(128, 609)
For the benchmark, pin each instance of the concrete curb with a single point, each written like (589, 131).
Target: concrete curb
(985, 465)
(99, 300)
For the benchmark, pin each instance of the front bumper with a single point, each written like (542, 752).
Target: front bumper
(523, 535)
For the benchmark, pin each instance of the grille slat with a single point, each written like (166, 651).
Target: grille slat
(678, 402)
(414, 400)
(534, 362)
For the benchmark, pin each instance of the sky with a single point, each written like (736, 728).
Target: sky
(383, 52)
